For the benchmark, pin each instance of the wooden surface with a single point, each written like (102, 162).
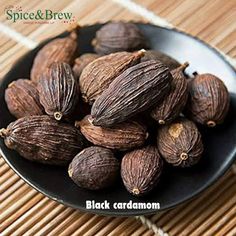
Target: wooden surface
(27, 212)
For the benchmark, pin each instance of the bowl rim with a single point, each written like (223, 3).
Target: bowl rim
(214, 178)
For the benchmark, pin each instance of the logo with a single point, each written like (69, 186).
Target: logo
(16, 13)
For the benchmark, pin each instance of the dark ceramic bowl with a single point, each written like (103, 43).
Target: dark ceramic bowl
(176, 185)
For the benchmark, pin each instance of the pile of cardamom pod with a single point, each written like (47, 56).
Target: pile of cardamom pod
(122, 100)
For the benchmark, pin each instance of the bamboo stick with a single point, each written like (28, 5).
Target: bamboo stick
(19, 212)
(226, 217)
(211, 214)
(37, 216)
(200, 209)
(48, 216)
(17, 205)
(60, 227)
(15, 196)
(26, 216)
(188, 210)
(3, 169)
(94, 227)
(109, 227)
(8, 192)
(121, 227)
(54, 222)
(75, 225)
(8, 181)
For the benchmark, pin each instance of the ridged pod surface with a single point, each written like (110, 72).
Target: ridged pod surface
(123, 136)
(82, 61)
(160, 56)
(43, 139)
(135, 90)
(57, 50)
(180, 143)
(22, 99)
(117, 37)
(98, 75)
(173, 104)
(58, 91)
(209, 100)
(94, 168)
(141, 169)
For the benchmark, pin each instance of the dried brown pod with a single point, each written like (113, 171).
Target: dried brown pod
(58, 90)
(135, 90)
(123, 136)
(117, 37)
(173, 104)
(94, 168)
(57, 50)
(82, 61)
(22, 99)
(141, 170)
(209, 100)
(180, 143)
(98, 75)
(160, 56)
(43, 139)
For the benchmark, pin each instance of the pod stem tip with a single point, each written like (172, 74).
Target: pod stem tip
(77, 123)
(90, 119)
(183, 156)
(211, 123)
(70, 172)
(11, 84)
(58, 115)
(135, 191)
(141, 52)
(3, 132)
(161, 122)
(184, 65)
(94, 42)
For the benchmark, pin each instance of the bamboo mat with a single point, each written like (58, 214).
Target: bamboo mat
(24, 211)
